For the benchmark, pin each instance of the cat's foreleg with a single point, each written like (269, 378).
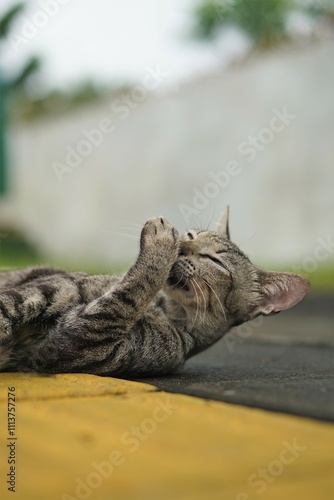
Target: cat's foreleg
(126, 302)
(89, 332)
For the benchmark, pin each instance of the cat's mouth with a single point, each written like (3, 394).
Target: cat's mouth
(176, 281)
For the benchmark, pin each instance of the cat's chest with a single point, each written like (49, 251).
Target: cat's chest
(93, 287)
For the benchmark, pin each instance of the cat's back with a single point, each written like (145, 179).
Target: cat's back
(16, 277)
(88, 286)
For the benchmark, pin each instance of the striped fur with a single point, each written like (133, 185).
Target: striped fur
(181, 296)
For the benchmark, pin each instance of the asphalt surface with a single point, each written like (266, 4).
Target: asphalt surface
(283, 363)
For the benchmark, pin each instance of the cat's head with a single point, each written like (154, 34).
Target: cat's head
(215, 278)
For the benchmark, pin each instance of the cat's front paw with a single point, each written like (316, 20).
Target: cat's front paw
(159, 241)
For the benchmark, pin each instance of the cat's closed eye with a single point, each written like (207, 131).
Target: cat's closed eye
(213, 259)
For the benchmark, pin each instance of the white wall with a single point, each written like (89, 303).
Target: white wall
(281, 201)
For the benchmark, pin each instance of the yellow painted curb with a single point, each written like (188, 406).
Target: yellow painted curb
(82, 436)
(32, 386)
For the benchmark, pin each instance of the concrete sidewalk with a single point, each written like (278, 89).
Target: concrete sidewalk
(82, 436)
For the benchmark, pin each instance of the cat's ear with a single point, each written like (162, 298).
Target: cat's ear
(223, 226)
(279, 291)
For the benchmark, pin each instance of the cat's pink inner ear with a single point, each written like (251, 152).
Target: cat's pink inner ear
(223, 225)
(280, 291)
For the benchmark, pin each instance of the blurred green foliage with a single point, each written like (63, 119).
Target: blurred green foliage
(322, 279)
(27, 107)
(264, 21)
(15, 250)
(6, 22)
(8, 18)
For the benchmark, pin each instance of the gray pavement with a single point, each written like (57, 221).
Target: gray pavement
(283, 363)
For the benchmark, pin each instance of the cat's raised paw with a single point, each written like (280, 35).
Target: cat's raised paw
(160, 238)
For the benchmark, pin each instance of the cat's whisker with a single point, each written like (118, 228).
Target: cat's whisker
(176, 284)
(204, 299)
(198, 226)
(128, 259)
(250, 237)
(134, 224)
(120, 233)
(195, 285)
(209, 224)
(217, 297)
(197, 304)
(131, 236)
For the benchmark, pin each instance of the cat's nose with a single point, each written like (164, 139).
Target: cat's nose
(185, 249)
(182, 250)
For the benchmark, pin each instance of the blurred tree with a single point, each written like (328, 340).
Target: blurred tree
(262, 20)
(6, 86)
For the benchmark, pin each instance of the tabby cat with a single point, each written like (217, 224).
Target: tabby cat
(181, 295)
